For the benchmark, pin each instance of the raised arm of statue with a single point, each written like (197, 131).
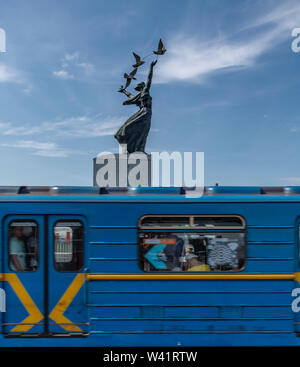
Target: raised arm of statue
(149, 79)
(129, 95)
(132, 100)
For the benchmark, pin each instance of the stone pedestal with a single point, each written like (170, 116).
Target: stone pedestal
(122, 170)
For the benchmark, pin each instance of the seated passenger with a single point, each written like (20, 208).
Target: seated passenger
(17, 250)
(195, 264)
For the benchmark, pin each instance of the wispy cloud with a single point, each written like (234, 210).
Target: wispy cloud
(72, 127)
(80, 126)
(71, 57)
(4, 126)
(72, 67)
(190, 59)
(63, 74)
(87, 67)
(9, 75)
(44, 149)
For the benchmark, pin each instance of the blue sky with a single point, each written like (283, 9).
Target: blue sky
(228, 86)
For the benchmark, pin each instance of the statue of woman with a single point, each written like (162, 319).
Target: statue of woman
(135, 130)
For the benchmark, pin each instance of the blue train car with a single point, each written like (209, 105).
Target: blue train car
(149, 266)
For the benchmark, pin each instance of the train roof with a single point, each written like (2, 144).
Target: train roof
(92, 193)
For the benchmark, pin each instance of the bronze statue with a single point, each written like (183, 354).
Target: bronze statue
(135, 130)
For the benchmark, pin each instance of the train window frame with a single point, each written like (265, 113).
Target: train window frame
(192, 229)
(192, 221)
(83, 245)
(38, 244)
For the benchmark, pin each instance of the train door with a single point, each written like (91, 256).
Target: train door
(67, 261)
(23, 268)
(44, 261)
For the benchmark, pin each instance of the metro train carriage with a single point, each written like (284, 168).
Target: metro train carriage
(88, 266)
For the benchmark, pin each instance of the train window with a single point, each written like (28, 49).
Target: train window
(222, 221)
(191, 221)
(200, 247)
(191, 252)
(162, 221)
(23, 246)
(68, 245)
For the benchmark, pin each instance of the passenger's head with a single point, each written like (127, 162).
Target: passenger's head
(28, 231)
(18, 232)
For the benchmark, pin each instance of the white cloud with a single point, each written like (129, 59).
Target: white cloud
(4, 126)
(72, 57)
(80, 126)
(31, 144)
(53, 153)
(9, 75)
(87, 67)
(285, 16)
(44, 149)
(63, 74)
(72, 67)
(190, 59)
(83, 126)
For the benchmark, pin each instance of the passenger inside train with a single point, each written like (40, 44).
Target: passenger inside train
(23, 246)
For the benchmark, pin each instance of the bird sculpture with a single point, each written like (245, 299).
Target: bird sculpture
(138, 61)
(160, 49)
(129, 77)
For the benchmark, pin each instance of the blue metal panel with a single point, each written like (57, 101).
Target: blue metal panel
(271, 250)
(271, 234)
(153, 325)
(180, 299)
(216, 286)
(114, 266)
(204, 312)
(270, 265)
(268, 312)
(113, 251)
(113, 235)
(127, 312)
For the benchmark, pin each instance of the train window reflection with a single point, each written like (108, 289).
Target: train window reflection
(191, 252)
(68, 245)
(191, 243)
